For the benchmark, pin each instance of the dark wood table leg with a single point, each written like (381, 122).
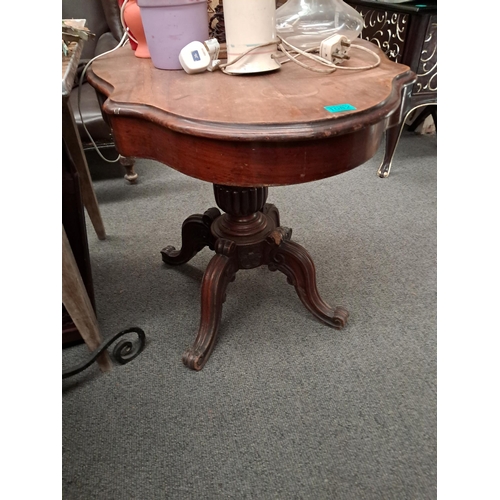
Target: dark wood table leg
(295, 262)
(129, 163)
(219, 273)
(246, 236)
(392, 136)
(195, 236)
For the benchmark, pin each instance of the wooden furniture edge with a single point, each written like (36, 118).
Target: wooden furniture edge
(256, 132)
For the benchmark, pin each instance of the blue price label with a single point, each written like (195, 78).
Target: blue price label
(338, 108)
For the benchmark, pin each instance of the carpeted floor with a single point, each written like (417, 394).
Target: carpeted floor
(286, 407)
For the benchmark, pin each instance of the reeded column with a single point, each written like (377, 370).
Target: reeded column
(244, 222)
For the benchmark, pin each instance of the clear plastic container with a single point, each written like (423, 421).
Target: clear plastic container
(305, 23)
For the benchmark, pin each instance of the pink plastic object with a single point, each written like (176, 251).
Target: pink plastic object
(133, 45)
(170, 25)
(132, 19)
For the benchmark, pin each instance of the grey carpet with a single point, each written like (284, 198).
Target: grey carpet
(286, 407)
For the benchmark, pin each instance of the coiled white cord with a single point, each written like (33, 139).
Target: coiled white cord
(332, 66)
(288, 50)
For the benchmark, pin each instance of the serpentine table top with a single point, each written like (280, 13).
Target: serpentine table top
(243, 130)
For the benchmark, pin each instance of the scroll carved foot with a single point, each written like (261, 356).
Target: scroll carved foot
(195, 236)
(219, 273)
(295, 262)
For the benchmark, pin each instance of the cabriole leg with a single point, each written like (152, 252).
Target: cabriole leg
(195, 236)
(295, 262)
(220, 272)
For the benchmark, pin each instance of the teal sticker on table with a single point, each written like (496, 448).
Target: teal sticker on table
(338, 108)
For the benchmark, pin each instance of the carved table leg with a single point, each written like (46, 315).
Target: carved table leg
(220, 271)
(195, 236)
(295, 262)
(392, 136)
(246, 236)
(128, 163)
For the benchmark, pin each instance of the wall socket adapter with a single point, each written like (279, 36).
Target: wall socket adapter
(334, 48)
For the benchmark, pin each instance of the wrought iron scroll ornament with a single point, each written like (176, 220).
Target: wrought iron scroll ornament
(385, 29)
(123, 352)
(427, 69)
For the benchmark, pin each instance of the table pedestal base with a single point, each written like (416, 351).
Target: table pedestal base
(247, 236)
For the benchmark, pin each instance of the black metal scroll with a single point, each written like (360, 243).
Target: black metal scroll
(123, 352)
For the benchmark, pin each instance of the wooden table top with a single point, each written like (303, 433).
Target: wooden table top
(159, 113)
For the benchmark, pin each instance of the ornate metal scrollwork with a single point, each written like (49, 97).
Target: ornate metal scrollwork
(385, 29)
(427, 67)
(124, 352)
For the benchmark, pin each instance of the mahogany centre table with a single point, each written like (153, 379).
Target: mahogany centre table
(244, 134)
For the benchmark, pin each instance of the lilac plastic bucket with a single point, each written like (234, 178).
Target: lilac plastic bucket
(169, 25)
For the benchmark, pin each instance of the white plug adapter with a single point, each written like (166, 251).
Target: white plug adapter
(334, 48)
(194, 57)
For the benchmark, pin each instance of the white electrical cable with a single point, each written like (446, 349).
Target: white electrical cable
(222, 67)
(127, 35)
(366, 49)
(322, 61)
(82, 76)
(306, 54)
(125, 27)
